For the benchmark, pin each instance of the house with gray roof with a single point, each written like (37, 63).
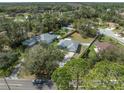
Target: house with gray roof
(46, 38)
(30, 42)
(69, 44)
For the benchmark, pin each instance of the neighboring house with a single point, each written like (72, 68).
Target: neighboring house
(30, 42)
(101, 46)
(69, 44)
(46, 38)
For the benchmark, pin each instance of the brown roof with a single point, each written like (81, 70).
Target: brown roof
(104, 45)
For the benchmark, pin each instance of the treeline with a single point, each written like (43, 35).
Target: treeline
(85, 17)
(35, 7)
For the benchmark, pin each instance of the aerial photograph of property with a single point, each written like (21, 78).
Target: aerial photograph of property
(61, 46)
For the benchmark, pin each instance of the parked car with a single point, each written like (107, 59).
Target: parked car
(39, 81)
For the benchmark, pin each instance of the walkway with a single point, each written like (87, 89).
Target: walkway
(15, 72)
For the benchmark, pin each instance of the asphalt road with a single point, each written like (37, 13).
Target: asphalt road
(110, 33)
(21, 84)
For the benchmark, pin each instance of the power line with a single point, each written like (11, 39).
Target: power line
(85, 53)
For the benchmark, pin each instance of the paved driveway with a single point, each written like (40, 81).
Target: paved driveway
(110, 33)
(67, 58)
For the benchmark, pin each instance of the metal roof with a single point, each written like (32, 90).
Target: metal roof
(47, 38)
(71, 45)
(30, 42)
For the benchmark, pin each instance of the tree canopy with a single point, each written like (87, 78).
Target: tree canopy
(105, 75)
(73, 71)
(7, 60)
(43, 60)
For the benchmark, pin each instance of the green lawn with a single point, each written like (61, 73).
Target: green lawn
(109, 39)
(77, 37)
(92, 53)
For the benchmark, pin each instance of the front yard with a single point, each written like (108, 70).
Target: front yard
(77, 37)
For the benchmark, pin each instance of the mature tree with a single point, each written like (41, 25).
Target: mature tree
(4, 41)
(78, 68)
(15, 31)
(86, 28)
(105, 75)
(7, 60)
(62, 78)
(74, 69)
(85, 12)
(42, 60)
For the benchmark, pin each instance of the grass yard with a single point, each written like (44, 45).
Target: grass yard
(109, 39)
(77, 37)
(92, 53)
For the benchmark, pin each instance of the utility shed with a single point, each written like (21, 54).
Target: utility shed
(69, 44)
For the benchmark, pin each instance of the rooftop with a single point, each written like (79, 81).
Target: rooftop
(71, 45)
(46, 38)
(30, 42)
(103, 46)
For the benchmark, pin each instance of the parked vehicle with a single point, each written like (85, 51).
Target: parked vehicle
(39, 81)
